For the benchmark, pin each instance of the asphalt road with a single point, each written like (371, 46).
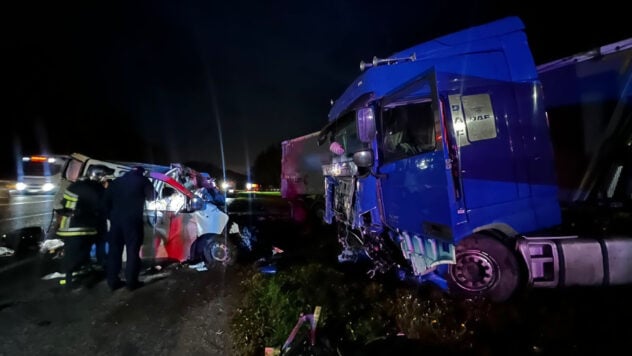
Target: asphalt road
(22, 211)
(17, 212)
(179, 311)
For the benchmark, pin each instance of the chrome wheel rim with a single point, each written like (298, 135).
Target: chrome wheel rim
(475, 271)
(219, 252)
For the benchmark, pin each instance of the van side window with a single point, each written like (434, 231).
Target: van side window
(408, 130)
(73, 170)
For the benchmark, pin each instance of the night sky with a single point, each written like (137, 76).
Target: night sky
(155, 80)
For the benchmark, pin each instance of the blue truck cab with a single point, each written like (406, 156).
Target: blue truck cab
(442, 163)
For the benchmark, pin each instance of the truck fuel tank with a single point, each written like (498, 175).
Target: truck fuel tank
(577, 261)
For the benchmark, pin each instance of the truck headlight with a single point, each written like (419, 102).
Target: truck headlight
(47, 187)
(20, 186)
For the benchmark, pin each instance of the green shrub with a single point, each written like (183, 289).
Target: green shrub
(355, 310)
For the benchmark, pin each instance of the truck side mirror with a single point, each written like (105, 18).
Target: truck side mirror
(365, 121)
(363, 159)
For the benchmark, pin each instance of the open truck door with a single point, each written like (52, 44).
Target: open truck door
(420, 193)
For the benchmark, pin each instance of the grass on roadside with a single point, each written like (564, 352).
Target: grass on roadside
(355, 311)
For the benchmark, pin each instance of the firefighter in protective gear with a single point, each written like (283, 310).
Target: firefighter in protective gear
(82, 223)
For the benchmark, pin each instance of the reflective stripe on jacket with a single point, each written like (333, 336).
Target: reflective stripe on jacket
(81, 215)
(76, 231)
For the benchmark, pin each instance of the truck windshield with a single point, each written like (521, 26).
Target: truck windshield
(39, 168)
(346, 134)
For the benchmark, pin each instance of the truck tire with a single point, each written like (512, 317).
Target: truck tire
(219, 251)
(485, 267)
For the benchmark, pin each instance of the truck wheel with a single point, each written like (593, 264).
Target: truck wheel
(219, 250)
(484, 267)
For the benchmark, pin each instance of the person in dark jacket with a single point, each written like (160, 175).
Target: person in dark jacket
(207, 190)
(82, 223)
(124, 203)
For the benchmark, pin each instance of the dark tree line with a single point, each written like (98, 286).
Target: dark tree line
(266, 169)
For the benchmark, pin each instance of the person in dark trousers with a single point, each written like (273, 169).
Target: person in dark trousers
(82, 223)
(124, 203)
(100, 240)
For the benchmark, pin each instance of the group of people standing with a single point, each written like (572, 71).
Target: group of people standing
(109, 216)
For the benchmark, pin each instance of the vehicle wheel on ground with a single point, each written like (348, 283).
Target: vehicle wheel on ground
(25, 241)
(220, 251)
(485, 267)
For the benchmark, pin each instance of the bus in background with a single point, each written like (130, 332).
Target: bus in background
(39, 174)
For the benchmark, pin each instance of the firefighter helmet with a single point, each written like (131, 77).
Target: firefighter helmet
(96, 173)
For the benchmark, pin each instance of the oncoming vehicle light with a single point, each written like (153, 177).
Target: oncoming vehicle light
(253, 186)
(20, 186)
(38, 159)
(47, 187)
